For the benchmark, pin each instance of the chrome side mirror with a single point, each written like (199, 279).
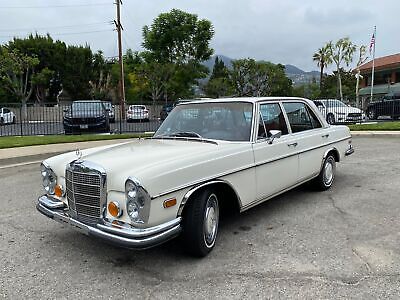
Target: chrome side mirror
(274, 134)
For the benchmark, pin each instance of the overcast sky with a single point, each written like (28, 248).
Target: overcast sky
(284, 31)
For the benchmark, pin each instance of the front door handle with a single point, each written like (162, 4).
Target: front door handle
(292, 145)
(325, 135)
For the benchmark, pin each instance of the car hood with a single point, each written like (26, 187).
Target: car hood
(161, 165)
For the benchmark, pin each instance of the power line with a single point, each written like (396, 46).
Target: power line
(55, 6)
(55, 27)
(65, 33)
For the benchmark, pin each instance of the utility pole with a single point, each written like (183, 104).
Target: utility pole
(119, 29)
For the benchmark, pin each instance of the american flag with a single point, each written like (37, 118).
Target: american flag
(372, 43)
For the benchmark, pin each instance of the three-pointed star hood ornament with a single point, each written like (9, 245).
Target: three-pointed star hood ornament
(78, 153)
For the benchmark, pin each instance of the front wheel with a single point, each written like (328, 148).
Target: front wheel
(200, 223)
(327, 174)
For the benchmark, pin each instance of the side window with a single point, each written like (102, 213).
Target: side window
(299, 117)
(314, 119)
(271, 118)
(6, 110)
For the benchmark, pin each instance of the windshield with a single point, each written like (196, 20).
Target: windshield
(334, 103)
(229, 121)
(87, 106)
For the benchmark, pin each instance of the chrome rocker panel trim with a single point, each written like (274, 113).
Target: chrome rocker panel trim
(133, 238)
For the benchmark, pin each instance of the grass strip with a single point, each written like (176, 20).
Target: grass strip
(381, 126)
(22, 141)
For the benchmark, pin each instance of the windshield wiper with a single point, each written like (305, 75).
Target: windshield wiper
(186, 134)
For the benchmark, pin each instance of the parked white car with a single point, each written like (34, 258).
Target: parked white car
(7, 116)
(137, 113)
(335, 111)
(206, 157)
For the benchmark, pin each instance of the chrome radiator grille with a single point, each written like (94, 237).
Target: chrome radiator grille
(85, 192)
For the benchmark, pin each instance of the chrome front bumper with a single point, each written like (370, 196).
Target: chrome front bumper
(127, 237)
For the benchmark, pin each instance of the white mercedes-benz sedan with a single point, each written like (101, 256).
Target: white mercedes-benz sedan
(208, 156)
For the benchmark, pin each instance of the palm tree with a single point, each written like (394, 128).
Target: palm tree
(341, 52)
(323, 59)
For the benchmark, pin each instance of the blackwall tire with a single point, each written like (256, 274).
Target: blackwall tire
(200, 223)
(372, 114)
(326, 177)
(330, 118)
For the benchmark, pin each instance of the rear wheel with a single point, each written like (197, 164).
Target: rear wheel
(372, 114)
(13, 120)
(200, 223)
(327, 174)
(1, 121)
(330, 118)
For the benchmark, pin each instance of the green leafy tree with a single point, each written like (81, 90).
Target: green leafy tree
(78, 72)
(178, 37)
(52, 58)
(309, 90)
(329, 87)
(323, 59)
(219, 83)
(251, 78)
(41, 81)
(177, 42)
(341, 52)
(101, 85)
(16, 72)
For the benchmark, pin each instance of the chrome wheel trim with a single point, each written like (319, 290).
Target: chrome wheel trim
(329, 171)
(211, 217)
(371, 114)
(331, 119)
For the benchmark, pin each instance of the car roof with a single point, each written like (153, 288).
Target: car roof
(244, 99)
(87, 101)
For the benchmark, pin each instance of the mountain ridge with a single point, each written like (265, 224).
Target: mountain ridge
(297, 75)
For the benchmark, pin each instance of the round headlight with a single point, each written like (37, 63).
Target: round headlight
(49, 179)
(137, 202)
(130, 190)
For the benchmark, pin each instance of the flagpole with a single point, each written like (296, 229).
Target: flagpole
(373, 65)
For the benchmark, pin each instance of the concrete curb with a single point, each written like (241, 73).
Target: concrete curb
(376, 133)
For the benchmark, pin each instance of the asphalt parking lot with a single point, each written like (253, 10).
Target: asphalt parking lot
(342, 243)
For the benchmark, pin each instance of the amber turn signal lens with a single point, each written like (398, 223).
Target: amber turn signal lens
(113, 209)
(58, 191)
(169, 202)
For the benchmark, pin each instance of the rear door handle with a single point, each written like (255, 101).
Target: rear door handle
(325, 135)
(292, 145)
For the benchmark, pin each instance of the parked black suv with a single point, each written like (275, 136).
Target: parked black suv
(388, 106)
(86, 116)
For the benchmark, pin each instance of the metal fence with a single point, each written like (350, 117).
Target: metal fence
(68, 118)
(338, 112)
(50, 119)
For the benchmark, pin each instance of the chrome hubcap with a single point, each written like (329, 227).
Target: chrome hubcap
(211, 217)
(328, 172)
